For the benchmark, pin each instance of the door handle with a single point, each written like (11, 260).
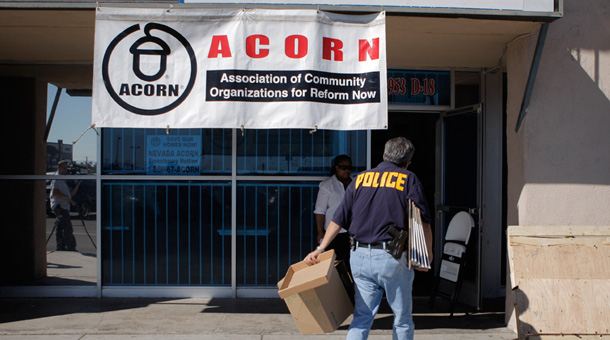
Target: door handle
(446, 208)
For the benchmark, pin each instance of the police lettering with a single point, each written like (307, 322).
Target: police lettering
(392, 179)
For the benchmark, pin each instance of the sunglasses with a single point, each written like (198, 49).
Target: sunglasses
(345, 167)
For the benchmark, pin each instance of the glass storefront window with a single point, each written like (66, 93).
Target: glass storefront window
(259, 152)
(297, 152)
(158, 233)
(69, 138)
(179, 232)
(275, 228)
(137, 152)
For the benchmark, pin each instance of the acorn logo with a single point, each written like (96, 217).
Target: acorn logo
(155, 141)
(144, 70)
(137, 52)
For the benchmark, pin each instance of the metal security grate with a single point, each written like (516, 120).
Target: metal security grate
(166, 233)
(178, 231)
(275, 228)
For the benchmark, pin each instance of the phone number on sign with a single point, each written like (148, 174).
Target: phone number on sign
(173, 169)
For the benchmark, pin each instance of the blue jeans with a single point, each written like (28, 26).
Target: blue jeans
(375, 271)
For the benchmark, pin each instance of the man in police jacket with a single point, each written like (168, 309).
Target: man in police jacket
(375, 200)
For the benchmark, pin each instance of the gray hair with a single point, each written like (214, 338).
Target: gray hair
(399, 151)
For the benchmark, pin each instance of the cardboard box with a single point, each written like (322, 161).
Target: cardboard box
(316, 295)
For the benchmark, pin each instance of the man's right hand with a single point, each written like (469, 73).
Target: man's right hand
(332, 231)
(312, 258)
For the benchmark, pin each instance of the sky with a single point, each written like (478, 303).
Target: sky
(72, 118)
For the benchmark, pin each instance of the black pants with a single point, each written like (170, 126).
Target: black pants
(63, 230)
(342, 248)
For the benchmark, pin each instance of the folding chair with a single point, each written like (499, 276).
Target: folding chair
(451, 271)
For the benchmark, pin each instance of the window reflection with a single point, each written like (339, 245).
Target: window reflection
(166, 233)
(259, 152)
(137, 152)
(179, 232)
(275, 228)
(297, 151)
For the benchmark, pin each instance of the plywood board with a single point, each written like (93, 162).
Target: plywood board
(541, 231)
(560, 261)
(574, 306)
(568, 337)
(561, 279)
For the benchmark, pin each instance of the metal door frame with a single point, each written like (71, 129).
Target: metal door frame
(440, 192)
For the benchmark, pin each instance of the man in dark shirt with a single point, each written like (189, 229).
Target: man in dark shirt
(375, 200)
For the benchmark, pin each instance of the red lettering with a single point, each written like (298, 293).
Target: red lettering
(366, 48)
(298, 41)
(219, 45)
(414, 86)
(297, 47)
(431, 86)
(396, 83)
(332, 47)
(253, 44)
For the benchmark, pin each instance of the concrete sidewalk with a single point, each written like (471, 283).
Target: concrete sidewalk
(226, 319)
(198, 318)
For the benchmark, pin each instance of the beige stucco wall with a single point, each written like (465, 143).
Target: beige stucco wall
(559, 161)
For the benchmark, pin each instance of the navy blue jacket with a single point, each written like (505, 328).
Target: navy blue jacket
(377, 199)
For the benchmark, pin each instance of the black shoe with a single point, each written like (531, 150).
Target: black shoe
(60, 249)
(70, 249)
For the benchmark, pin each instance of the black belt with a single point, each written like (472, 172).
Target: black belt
(379, 245)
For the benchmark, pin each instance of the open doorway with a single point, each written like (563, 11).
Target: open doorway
(420, 128)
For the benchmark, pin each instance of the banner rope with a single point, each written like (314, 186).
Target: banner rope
(87, 129)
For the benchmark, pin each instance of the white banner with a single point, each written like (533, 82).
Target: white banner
(196, 68)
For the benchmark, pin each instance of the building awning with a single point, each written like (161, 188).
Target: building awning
(54, 41)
